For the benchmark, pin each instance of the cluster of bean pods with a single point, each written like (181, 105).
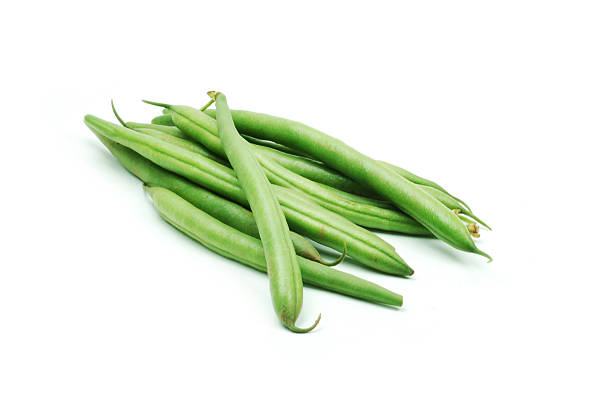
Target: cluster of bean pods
(256, 188)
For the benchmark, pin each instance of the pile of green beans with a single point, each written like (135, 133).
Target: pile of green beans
(257, 188)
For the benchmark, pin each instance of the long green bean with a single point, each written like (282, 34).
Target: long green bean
(282, 265)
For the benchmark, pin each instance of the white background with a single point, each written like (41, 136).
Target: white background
(105, 309)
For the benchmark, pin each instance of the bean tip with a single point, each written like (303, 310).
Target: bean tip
(337, 261)
(298, 330)
(482, 253)
(156, 103)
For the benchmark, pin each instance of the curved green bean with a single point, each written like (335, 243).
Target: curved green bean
(243, 248)
(283, 269)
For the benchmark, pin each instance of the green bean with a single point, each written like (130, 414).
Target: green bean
(283, 268)
(204, 129)
(243, 248)
(305, 217)
(225, 211)
(385, 181)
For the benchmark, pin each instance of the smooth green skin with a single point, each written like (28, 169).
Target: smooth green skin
(204, 129)
(245, 249)
(220, 208)
(385, 181)
(163, 120)
(283, 268)
(305, 218)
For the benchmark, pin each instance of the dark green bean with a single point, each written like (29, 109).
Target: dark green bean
(282, 265)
